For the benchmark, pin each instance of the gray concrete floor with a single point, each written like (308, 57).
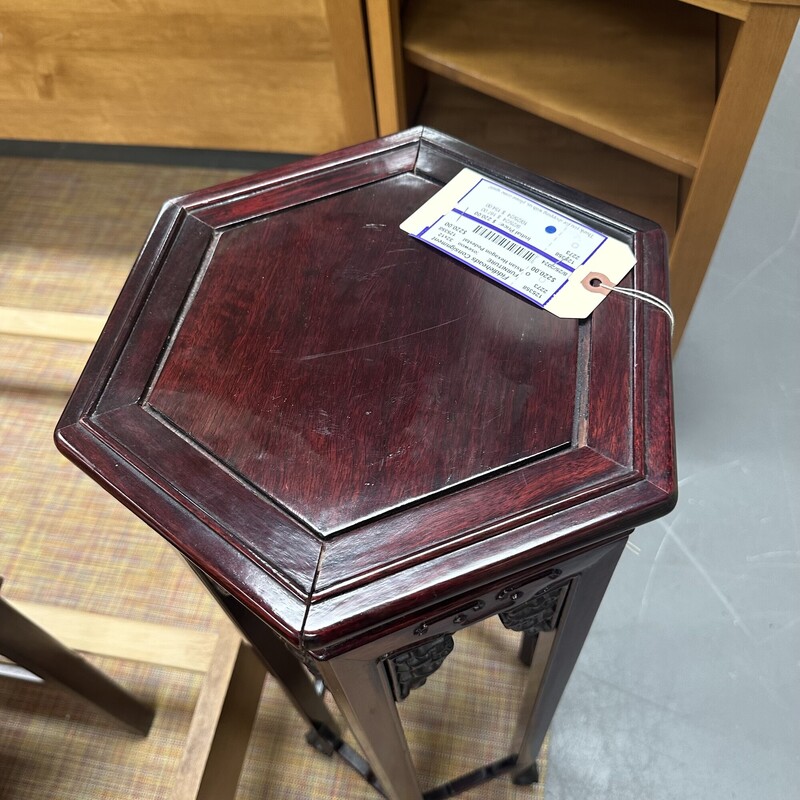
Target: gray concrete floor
(689, 684)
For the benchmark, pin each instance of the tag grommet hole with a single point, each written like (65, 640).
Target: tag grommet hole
(594, 282)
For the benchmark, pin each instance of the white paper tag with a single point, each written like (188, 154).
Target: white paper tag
(532, 249)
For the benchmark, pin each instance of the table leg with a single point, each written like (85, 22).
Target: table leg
(26, 644)
(283, 665)
(363, 693)
(558, 644)
(526, 647)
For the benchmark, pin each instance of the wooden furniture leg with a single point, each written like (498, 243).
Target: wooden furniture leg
(527, 646)
(754, 66)
(280, 661)
(554, 657)
(362, 692)
(26, 644)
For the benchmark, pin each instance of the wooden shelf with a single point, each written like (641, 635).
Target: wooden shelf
(552, 151)
(637, 76)
(735, 9)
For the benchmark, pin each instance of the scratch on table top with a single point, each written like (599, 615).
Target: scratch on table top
(485, 424)
(377, 344)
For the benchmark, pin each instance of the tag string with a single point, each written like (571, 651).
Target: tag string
(646, 297)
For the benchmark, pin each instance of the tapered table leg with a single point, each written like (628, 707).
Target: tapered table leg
(554, 656)
(26, 644)
(285, 667)
(526, 647)
(363, 694)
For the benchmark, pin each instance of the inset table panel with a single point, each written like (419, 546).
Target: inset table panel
(344, 368)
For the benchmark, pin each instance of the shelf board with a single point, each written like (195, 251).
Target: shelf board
(736, 9)
(550, 150)
(637, 76)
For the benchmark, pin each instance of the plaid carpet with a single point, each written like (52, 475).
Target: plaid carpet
(69, 232)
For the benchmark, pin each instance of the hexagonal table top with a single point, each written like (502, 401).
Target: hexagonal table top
(327, 415)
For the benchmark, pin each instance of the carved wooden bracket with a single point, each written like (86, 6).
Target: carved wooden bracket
(410, 668)
(537, 615)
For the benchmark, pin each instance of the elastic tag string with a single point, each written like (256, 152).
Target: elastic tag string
(646, 297)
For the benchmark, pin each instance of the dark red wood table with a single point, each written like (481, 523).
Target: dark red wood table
(363, 446)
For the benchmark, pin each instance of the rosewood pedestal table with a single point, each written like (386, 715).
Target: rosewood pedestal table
(363, 446)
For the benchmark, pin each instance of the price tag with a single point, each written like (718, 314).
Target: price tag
(534, 250)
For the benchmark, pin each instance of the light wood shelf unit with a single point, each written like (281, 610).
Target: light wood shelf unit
(637, 76)
(682, 84)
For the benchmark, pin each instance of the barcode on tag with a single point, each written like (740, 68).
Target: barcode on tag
(498, 238)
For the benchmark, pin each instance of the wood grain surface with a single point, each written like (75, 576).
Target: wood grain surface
(50, 324)
(364, 370)
(249, 75)
(323, 415)
(386, 54)
(134, 640)
(733, 9)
